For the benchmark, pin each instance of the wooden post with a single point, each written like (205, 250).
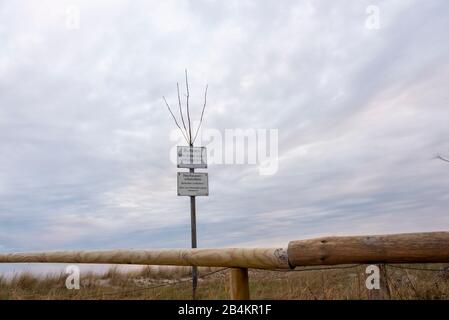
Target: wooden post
(384, 286)
(432, 247)
(384, 292)
(239, 284)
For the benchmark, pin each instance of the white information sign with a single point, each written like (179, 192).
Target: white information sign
(193, 184)
(192, 157)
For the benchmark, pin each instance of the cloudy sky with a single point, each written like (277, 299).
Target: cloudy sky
(357, 91)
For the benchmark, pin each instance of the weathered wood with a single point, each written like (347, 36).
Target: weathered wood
(266, 258)
(403, 248)
(172, 271)
(239, 284)
(432, 247)
(383, 293)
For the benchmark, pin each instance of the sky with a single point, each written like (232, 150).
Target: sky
(356, 91)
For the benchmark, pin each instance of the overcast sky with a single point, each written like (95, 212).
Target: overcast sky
(361, 111)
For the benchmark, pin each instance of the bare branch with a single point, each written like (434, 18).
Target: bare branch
(180, 108)
(202, 113)
(188, 111)
(187, 133)
(441, 158)
(174, 118)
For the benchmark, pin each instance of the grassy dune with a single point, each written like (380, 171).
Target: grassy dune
(150, 284)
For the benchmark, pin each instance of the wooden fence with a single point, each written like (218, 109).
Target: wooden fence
(430, 247)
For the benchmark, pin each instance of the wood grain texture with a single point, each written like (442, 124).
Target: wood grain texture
(239, 284)
(265, 258)
(432, 247)
(383, 293)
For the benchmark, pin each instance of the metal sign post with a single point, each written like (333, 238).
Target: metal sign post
(191, 158)
(192, 184)
(193, 230)
(193, 227)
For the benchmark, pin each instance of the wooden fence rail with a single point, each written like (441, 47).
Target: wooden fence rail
(429, 247)
(432, 247)
(262, 258)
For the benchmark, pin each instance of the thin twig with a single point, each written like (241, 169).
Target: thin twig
(313, 294)
(180, 108)
(202, 113)
(174, 118)
(188, 111)
(398, 292)
(441, 158)
(411, 283)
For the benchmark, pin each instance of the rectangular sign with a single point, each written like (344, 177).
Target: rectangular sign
(192, 157)
(193, 184)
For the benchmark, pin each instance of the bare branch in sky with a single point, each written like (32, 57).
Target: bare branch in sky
(180, 108)
(441, 158)
(187, 133)
(202, 113)
(188, 111)
(174, 118)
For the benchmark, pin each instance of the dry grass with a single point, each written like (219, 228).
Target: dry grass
(320, 284)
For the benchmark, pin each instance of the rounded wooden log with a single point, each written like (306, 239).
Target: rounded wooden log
(265, 258)
(432, 247)
(239, 284)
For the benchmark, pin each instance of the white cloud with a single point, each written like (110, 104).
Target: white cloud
(85, 137)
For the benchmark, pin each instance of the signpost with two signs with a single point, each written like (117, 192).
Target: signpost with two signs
(192, 184)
